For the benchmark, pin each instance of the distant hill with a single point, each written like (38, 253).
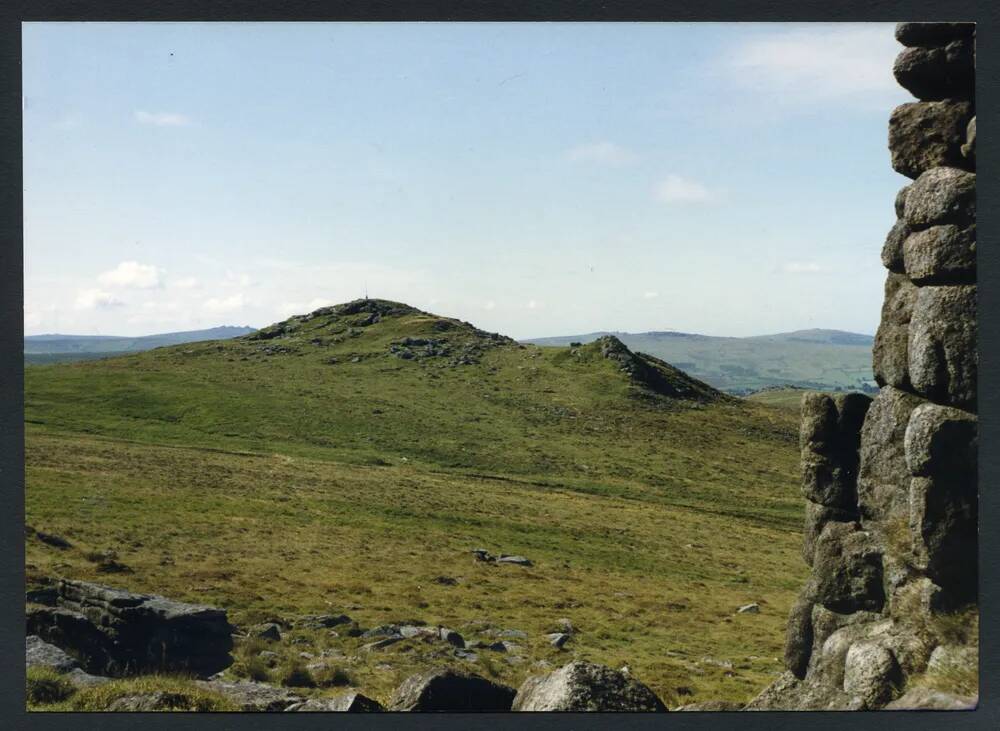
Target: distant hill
(816, 359)
(55, 348)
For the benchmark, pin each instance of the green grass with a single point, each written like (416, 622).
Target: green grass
(182, 693)
(278, 485)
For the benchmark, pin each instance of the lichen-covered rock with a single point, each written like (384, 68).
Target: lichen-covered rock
(352, 702)
(711, 706)
(39, 653)
(883, 476)
(943, 525)
(450, 690)
(927, 699)
(583, 686)
(799, 634)
(847, 569)
(251, 696)
(829, 437)
(933, 34)
(817, 516)
(924, 135)
(899, 204)
(871, 673)
(941, 441)
(969, 148)
(943, 358)
(940, 255)
(941, 195)
(892, 249)
(889, 351)
(939, 72)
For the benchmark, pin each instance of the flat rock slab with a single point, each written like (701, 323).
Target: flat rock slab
(39, 653)
(251, 696)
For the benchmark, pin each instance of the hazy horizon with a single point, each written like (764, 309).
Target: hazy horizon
(726, 179)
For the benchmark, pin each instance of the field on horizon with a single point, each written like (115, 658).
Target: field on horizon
(350, 463)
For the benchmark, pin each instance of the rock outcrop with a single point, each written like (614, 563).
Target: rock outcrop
(890, 482)
(114, 632)
(584, 686)
(450, 690)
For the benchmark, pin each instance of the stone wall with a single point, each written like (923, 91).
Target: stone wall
(891, 482)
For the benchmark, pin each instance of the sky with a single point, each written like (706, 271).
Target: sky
(533, 179)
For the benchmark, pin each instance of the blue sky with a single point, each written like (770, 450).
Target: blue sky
(535, 179)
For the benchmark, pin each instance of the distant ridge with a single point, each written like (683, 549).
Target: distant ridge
(820, 359)
(53, 348)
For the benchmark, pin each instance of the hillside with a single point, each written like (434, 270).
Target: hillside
(350, 459)
(815, 359)
(64, 348)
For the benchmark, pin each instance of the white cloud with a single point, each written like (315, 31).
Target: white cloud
(131, 274)
(239, 279)
(650, 295)
(490, 305)
(162, 119)
(534, 305)
(675, 189)
(826, 63)
(606, 153)
(89, 299)
(185, 283)
(225, 304)
(802, 267)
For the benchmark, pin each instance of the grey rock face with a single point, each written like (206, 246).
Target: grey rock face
(941, 255)
(938, 72)
(969, 148)
(924, 135)
(889, 351)
(829, 437)
(583, 686)
(113, 632)
(883, 478)
(941, 195)
(892, 249)
(847, 568)
(941, 441)
(352, 702)
(449, 690)
(943, 358)
(943, 525)
(799, 635)
(254, 697)
(711, 707)
(872, 673)
(925, 699)
(817, 516)
(933, 34)
(39, 653)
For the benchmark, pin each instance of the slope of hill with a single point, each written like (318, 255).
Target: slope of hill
(65, 348)
(350, 459)
(816, 359)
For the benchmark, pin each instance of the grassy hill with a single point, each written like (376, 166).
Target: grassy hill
(66, 348)
(814, 359)
(350, 459)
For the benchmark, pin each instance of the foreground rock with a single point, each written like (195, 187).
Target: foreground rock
(450, 690)
(250, 696)
(925, 699)
(352, 702)
(114, 632)
(712, 706)
(583, 686)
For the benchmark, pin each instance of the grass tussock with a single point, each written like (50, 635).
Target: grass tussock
(174, 693)
(45, 686)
